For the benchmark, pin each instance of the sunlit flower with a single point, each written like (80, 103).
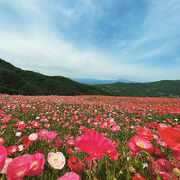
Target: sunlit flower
(8, 160)
(18, 167)
(20, 147)
(18, 134)
(142, 144)
(37, 164)
(56, 160)
(33, 137)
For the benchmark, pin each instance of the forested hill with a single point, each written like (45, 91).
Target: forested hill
(164, 88)
(14, 80)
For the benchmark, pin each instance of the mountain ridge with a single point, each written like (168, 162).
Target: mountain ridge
(15, 81)
(163, 88)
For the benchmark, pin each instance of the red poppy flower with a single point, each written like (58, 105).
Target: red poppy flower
(58, 142)
(137, 176)
(76, 165)
(146, 133)
(25, 140)
(12, 149)
(171, 137)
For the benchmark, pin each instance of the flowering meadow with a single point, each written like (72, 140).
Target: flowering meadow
(89, 137)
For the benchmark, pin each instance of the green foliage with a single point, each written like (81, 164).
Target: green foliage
(164, 88)
(16, 81)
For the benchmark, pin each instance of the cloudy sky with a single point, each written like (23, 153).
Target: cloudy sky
(104, 39)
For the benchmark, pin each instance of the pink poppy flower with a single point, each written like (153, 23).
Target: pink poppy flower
(115, 128)
(18, 167)
(37, 164)
(42, 133)
(70, 142)
(44, 120)
(8, 160)
(51, 135)
(96, 145)
(3, 156)
(69, 176)
(142, 143)
(159, 170)
(6, 118)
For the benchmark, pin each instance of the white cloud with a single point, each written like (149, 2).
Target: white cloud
(40, 47)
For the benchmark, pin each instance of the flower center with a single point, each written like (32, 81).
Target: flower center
(140, 144)
(34, 163)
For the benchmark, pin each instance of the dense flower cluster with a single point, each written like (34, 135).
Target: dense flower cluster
(89, 137)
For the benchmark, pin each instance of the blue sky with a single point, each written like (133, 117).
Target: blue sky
(106, 39)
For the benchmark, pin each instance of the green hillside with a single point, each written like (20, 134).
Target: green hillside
(13, 80)
(164, 88)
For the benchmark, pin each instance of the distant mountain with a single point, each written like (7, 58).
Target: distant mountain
(90, 81)
(164, 88)
(14, 80)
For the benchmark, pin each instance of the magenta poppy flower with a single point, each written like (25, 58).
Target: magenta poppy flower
(96, 145)
(42, 133)
(70, 142)
(18, 167)
(69, 176)
(3, 156)
(37, 164)
(51, 135)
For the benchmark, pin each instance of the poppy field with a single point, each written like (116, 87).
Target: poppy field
(89, 137)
